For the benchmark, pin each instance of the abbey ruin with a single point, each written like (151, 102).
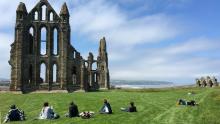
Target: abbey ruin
(207, 82)
(42, 43)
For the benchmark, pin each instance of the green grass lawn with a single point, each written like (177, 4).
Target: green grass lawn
(154, 106)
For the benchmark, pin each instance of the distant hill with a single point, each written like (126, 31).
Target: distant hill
(139, 82)
(4, 79)
(4, 82)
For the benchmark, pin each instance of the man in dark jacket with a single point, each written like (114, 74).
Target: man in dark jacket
(73, 110)
(132, 108)
(106, 108)
(14, 114)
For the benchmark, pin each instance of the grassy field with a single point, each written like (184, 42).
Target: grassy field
(154, 106)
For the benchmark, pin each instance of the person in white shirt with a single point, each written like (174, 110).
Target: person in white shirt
(47, 112)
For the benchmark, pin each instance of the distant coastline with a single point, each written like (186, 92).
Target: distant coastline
(143, 84)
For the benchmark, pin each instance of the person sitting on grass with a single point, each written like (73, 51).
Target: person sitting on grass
(73, 110)
(47, 112)
(14, 114)
(106, 108)
(131, 108)
(187, 103)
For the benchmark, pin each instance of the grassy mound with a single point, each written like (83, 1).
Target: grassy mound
(154, 106)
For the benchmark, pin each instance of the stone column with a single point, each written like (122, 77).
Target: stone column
(63, 52)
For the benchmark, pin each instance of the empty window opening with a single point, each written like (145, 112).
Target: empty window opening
(94, 66)
(55, 73)
(44, 12)
(74, 54)
(43, 45)
(31, 40)
(95, 77)
(55, 42)
(36, 15)
(51, 16)
(74, 75)
(43, 70)
(86, 64)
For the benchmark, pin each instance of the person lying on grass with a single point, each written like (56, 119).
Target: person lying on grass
(187, 103)
(131, 108)
(73, 110)
(47, 112)
(14, 114)
(106, 108)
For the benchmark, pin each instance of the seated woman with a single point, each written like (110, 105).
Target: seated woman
(131, 108)
(189, 103)
(73, 110)
(14, 114)
(106, 108)
(47, 112)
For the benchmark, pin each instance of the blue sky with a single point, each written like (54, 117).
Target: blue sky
(170, 40)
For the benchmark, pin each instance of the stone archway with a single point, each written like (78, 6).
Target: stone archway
(74, 75)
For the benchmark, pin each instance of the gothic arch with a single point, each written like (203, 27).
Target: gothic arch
(74, 75)
(43, 72)
(86, 64)
(94, 65)
(43, 12)
(55, 35)
(51, 16)
(42, 25)
(36, 15)
(43, 40)
(31, 36)
(55, 73)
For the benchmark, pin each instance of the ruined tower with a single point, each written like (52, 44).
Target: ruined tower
(42, 57)
(102, 62)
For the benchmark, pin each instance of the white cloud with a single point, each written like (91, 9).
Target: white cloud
(193, 45)
(6, 41)
(100, 18)
(173, 62)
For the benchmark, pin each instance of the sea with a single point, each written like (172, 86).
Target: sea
(146, 84)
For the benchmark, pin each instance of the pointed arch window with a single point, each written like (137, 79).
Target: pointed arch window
(43, 42)
(43, 70)
(55, 41)
(44, 12)
(31, 40)
(74, 74)
(55, 73)
(74, 54)
(51, 16)
(35, 15)
(95, 77)
(94, 66)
